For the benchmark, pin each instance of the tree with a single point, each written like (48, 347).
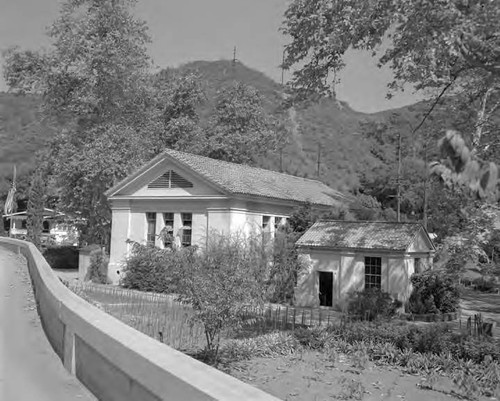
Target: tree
(179, 96)
(35, 210)
(239, 130)
(429, 44)
(95, 82)
(222, 282)
(448, 47)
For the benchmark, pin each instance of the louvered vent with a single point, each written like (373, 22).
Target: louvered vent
(170, 180)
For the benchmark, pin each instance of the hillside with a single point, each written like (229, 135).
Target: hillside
(329, 129)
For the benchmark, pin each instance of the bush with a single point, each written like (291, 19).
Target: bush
(98, 269)
(484, 285)
(433, 292)
(221, 282)
(153, 269)
(61, 257)
(372, 303)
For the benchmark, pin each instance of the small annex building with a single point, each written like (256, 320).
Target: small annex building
(342, 257)
(189, 196)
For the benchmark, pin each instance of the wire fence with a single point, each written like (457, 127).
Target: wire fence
(163, 317)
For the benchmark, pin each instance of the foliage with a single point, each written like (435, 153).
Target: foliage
(372, 303)
(465, 170)
(453, 40)
(221, 282)
(98, 269)
(485, 285)
(61, 257)
(239, 130)
(304, 216)
(152, 269)
(34, 213)
(267, 345)
(283, 270)
(433, 292)
(94, 82)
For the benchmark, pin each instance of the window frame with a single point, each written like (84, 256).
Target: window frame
(187, 229)
(373, 272)
(151, 223)
(169, 241)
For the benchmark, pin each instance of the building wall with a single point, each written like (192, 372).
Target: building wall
(221, 215)
(349, 274)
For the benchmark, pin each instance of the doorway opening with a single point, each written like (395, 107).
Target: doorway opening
(325, 288)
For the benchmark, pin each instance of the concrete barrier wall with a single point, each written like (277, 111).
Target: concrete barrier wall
(114, 361)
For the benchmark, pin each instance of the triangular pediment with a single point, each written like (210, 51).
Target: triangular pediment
(421, 243)
(167, 178)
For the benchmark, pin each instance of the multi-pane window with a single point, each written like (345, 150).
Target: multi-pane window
(151, 233)
(373, 272)
(265, 222)
(168, 231)
(187, 225)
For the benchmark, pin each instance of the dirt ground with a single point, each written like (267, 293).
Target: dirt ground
(312, 376)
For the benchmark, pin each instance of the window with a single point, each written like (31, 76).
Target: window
(151, 235)
(170, 180)
(265, 222)
(418, 265)
(24, 225)
(45, 226)
(187, 225)
(373, 272)
(168, 231)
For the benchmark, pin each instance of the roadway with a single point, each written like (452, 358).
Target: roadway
(29, 368)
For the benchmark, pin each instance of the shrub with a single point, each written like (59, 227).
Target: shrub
(221, 282)
(372, 303)
(61, 257)
(485, 285)
(433, 292)
(98, 269)
(152, 269)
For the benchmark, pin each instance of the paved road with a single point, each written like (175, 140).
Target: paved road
(29, 368)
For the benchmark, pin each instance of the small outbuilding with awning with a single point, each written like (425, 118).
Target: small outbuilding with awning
(342, 257)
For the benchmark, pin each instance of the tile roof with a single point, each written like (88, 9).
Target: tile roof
(245, 180)
(361, 235)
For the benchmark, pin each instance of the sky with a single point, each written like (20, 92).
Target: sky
(188, 30)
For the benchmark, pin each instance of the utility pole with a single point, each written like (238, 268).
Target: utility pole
(426, 182)
(399, 177)
(234, 57)
(319, 157)
(283, 68)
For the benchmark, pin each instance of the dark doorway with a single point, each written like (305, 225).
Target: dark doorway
(325, 288)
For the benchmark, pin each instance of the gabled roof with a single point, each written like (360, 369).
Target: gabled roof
(240, 179)
(376, 235)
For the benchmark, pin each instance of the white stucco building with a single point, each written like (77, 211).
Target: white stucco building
(188, 196)
(341, 257)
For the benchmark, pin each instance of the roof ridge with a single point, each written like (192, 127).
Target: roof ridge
(245, 165)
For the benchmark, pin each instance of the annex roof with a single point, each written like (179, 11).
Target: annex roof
(240, 179)
(375, 235)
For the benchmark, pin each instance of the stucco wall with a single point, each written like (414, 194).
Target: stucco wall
(114, 361)
(396, 271)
